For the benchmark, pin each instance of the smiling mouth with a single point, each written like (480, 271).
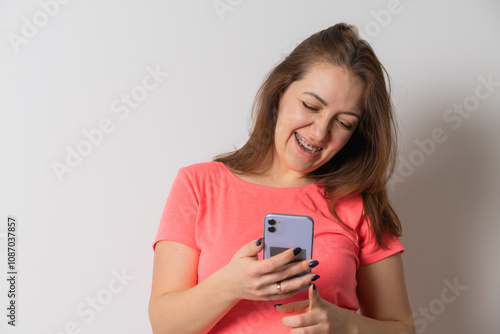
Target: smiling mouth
(309, 148)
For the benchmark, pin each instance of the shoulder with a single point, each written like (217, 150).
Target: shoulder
(351, 211)
(203, 174)
(202, 169)
(350, 207)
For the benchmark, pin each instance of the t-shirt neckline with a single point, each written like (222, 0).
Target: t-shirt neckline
(255, 185)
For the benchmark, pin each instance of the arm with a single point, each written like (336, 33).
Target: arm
(179, 305)
(382, 295)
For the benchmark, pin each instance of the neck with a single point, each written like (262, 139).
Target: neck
(287, 178)
(271, 175)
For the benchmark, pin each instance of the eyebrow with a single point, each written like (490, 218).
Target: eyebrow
(326, 104)
(317, 97)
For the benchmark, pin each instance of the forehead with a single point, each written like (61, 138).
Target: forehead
(336, 85)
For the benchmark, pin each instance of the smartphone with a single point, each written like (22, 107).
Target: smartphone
(282, 231)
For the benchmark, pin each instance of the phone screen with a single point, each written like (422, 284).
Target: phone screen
(277, 250)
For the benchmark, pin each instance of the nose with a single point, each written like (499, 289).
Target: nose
(320, 129)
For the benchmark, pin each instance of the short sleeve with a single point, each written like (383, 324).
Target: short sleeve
(370, 251)
(178, 221)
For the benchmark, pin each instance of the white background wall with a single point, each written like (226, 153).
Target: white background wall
(76, 233)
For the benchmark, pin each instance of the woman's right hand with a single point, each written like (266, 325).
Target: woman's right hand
(248, 278)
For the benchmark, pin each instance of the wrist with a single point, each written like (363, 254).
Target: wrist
(353, 323)
(223, 282)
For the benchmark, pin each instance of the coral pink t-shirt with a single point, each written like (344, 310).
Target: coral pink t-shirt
(215, 213)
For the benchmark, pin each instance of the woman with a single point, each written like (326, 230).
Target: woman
(322, 146)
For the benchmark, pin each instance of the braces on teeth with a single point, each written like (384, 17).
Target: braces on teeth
(304, 144)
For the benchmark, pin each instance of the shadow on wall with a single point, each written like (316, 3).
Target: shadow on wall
(443, 207)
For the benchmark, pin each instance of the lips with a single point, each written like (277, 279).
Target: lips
(308, 148)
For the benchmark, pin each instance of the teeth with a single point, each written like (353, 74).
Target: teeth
(306, 146)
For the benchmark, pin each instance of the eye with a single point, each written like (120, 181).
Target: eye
(309, 107)
(344, 125)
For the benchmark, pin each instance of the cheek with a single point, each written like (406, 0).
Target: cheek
(340, 138)
(294, 115)
(286, 126)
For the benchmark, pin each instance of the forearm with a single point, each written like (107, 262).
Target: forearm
(366, 325)
(195, 310)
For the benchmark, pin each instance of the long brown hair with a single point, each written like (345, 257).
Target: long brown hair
(365, 164)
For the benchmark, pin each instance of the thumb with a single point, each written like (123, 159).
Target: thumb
(314, 297)
(251, 249)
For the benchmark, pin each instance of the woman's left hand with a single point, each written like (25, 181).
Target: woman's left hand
(317, 316)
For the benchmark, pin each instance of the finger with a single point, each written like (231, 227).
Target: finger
(282, 296)
(251, 249)
(301, 268)
(297, 307)
(275, 262)
(289, 285)
(314, 297)
(300, 320)
(310, 329)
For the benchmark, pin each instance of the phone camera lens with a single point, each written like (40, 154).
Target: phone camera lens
(271, 229)
(272, 222)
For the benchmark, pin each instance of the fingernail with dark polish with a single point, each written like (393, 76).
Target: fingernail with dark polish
(313, 264)
(315, 277)
(314, 286)
(276, 305)
(259, 242)
(297, 250)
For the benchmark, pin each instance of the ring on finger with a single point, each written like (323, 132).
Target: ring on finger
(278, 287)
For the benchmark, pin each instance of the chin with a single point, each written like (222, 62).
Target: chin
(303, 169)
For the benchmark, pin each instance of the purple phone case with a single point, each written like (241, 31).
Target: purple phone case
(290, 231)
